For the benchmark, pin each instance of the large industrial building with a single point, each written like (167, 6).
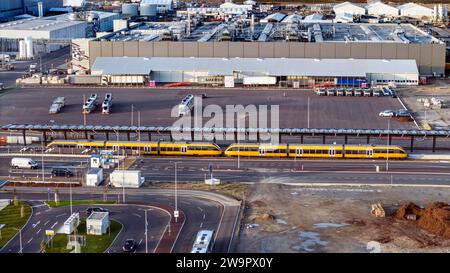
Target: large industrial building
(228, 71)
(271, 40)
(11, 8)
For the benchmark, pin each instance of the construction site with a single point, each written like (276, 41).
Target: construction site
(299, 219)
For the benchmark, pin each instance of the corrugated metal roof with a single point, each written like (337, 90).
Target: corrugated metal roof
(267, 66)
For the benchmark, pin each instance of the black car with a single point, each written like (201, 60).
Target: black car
(394, 93)
(129, 246)
(62, 172)
(91, 210)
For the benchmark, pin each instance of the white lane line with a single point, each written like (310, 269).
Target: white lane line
(38, 231)
(46, 222)
(37, 206)
(54, 224)
(200, 209)
(37, 213)
(137, 215)
(29, 241)
(201, 224)
(140, 242)
(34, 225)
(204, 216)
(62, 214)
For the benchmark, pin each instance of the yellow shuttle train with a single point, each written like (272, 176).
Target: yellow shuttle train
(242, 149)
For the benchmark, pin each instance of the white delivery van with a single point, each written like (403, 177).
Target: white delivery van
(23, 163)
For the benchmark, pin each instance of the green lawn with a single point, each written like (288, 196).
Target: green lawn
(77, 202)
(94, 243)
(10, 217)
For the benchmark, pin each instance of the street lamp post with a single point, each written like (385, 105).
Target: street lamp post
(387, 154)
(308, 111)
(146, 233)
(176, 192)
(20, 239)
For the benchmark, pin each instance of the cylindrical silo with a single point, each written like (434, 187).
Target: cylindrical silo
(29, 46)
(148, 10)
(130, 8)
(22, 49)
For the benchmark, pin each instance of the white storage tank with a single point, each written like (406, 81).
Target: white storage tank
(22, 49)
(148, 10)
(130, 8)
(94, 177)
(29, 47)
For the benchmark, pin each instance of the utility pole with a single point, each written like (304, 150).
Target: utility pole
(84, 114)
(308, 112)
(146, 233)
(176, 213)
(132, 114)
(387, 154)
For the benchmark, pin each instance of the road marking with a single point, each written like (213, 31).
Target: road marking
(38, 231)
(204, 216)
(34, 225)
(29, 241)
(46, 222)
(54, 224)
(201, 224)
(37, 206)
(140, 242)
(200, 209)
(137, 215)
(37, 213)
(62, 214)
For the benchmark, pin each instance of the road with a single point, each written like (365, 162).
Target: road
(51, 60)
(202, 210)
(297, 171)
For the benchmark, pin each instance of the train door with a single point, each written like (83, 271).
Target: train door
(262, 151)
(331, 152)
(298, 152)
(183, 149)
(147, 149)
(369, 153)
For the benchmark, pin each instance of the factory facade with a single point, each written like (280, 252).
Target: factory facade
(227, 72)
(429, 58)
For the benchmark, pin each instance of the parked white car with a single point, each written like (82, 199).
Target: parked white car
(387, 113)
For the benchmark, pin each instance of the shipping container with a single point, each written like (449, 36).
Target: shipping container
(126, 178)
(263, 80)
(94, 177)
(85, 79)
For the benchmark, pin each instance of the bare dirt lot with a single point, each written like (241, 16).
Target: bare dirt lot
(281, 218)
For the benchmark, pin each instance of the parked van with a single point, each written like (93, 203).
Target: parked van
(23, 163)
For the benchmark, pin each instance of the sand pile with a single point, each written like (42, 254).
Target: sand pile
(435, 218)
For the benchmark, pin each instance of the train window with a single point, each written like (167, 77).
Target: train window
(115, 147)
(184, 149)
(298, 151)
(331, 152)
(262, 151)
(369, 152)
(147, 149)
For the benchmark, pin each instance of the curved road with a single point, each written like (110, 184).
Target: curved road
(202, 210)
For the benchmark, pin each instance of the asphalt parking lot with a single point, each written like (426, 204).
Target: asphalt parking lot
(30, 105)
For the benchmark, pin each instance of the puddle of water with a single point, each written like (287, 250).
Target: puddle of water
(329, 225)
(311, 241)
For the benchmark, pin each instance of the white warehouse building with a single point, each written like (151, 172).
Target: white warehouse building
(162, 6)
(309, 71)
(379, 8)
(349, 8)
(43, 28)
(415, 10)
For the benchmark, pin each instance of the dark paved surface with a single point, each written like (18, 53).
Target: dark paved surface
(30, 105)
(131, 217)
(200, 214)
